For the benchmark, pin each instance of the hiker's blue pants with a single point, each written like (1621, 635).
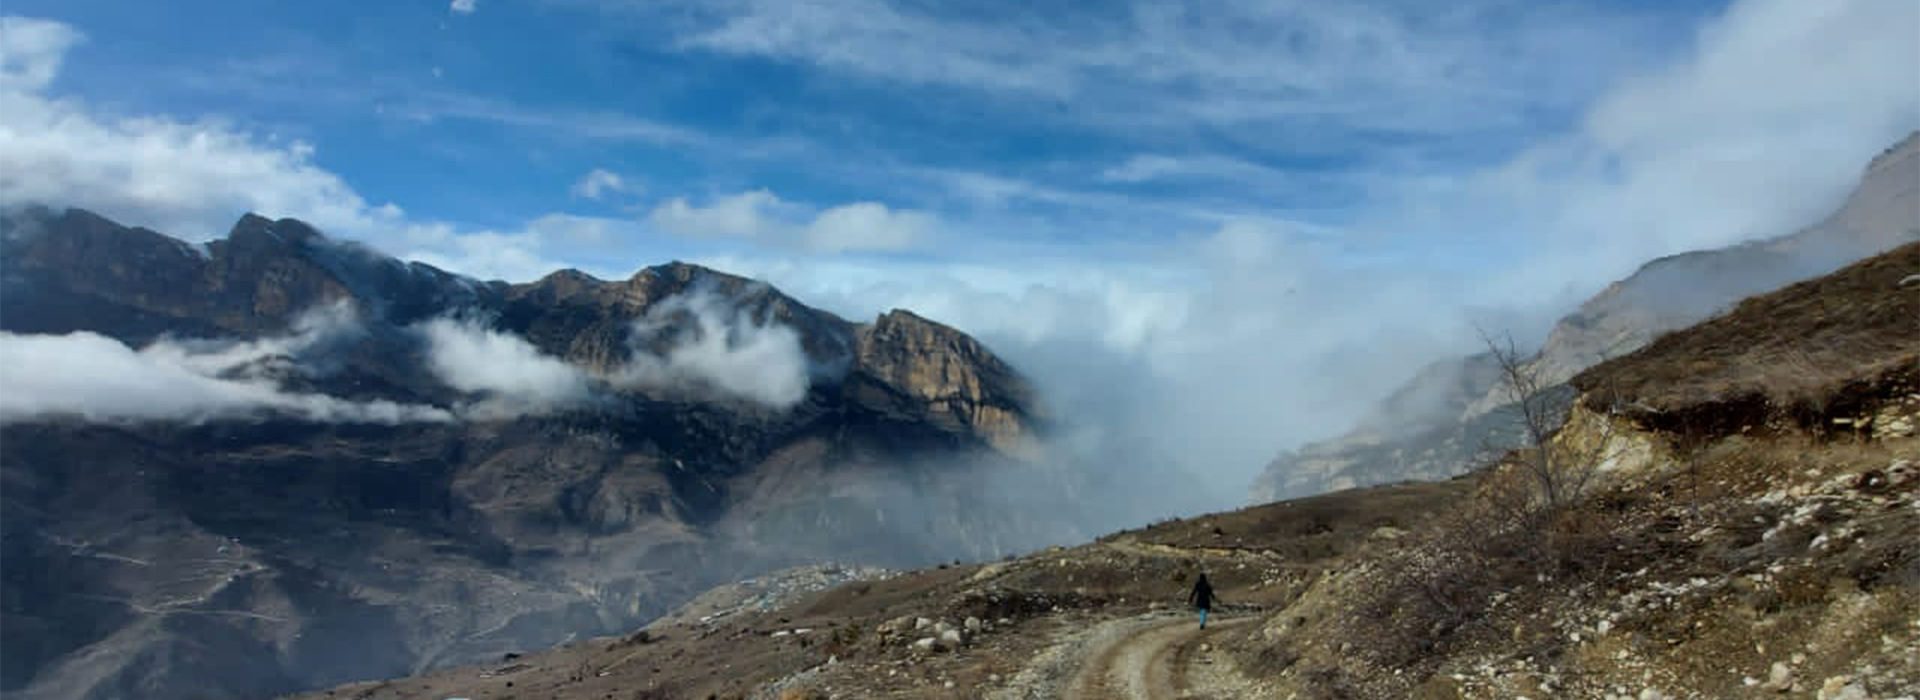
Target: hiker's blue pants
(1203, 617)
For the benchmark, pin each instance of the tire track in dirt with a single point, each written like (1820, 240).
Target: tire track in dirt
(1159, 661)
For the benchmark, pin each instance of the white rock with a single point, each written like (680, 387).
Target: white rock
(923, 644)
(973, 624)
(952, 639)
(1780, 677)
(920, 623)
(1838, 688)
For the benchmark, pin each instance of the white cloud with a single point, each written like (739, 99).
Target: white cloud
(513, 376)
(518, 256)
(1152, 167)
(1254, 335)
(696, 345)
(31, 51)
(867, 226)
(601, 182)
(759, 215)
(1343, 69)
(1219, 352)
(701, 341)
(746, 215)
(97, 378)
(193, 179)
(463, 7)
(1760, 131)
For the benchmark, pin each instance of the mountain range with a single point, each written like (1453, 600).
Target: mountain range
(278, 461)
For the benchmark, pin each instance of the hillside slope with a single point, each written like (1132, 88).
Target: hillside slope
(1410, 437)
(1766, 556)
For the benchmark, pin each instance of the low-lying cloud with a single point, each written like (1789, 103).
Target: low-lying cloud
(510, 375)
(97, 378)
(697, 344)
(700, 340)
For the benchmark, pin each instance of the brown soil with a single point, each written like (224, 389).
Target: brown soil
(1791, 356)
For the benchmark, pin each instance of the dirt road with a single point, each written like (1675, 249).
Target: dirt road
(1164, 660)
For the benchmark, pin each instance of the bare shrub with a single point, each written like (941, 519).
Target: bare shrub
(1524, 521)
(1561, 471)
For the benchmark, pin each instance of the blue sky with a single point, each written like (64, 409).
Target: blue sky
(487, 118)
(1267, 211)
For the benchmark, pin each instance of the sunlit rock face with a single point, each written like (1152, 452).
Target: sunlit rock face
(926, 371)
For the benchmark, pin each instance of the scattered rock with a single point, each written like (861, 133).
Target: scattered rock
(1780, 678)
(1838, 688)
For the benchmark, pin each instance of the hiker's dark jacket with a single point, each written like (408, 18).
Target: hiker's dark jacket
(1202, 596)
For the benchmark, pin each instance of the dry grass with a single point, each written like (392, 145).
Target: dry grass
(1798, 353)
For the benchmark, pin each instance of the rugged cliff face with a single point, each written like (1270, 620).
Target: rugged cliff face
(1437, 440)
(144, 555)
(928, 372)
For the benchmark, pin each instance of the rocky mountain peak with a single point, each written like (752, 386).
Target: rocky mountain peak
(950, 378)
(663, 481)
(256, 231)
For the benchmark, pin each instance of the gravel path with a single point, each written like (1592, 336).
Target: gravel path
(1149, 657)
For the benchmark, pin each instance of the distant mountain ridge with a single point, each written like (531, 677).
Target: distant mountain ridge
(1439, 440)
(146, 556)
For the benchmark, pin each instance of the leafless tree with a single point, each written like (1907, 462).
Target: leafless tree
(1559, 471)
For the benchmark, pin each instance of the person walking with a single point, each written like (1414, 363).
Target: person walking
(1202, 598)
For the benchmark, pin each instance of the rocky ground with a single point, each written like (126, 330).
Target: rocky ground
(1792, 575)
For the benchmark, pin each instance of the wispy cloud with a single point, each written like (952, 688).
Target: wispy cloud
(463, 7)
(760, 215)
(1238, 338)
(31, 53)
(1350, 69)
(507, 375)
(193, 178)
(600, 182)
(745, 215)
(97, 378)
(696, 345)
(867, 226)
(703, 343)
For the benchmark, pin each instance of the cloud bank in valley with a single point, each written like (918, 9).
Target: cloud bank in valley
(697, 344)
(97, 378)
(1239, 339)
